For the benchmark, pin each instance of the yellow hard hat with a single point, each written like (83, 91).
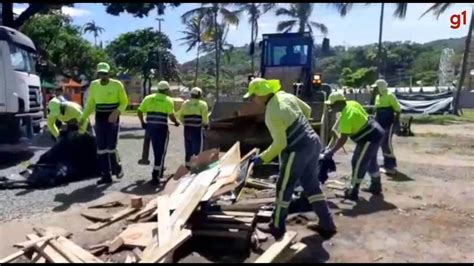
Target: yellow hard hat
(262, 87)
(334, 97)
(103, 67)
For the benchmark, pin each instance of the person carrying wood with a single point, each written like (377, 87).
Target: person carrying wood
(298, 146)
(107, 97)
(388, 116)
(61, 111)
(194, 115)
(366, 133)
(158, 107)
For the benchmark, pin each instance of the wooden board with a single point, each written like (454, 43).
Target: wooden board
(149, 208)
(165, 228)
(47, 251)
(52, 230)
(115, 244)
(180, 172)
(274, 250)
(12, 257)
(96, 215)
(78, 251)
(290, 252)
(119, 215)
(232, 213)
(204, 158)
(156, 253)
(253, 183)
(139, 234)
(109, 204)
(30, 243)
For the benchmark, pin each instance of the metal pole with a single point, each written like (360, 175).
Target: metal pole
(160, 66)
(380, 40)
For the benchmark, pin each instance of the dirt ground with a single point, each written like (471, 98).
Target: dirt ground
(425, 214)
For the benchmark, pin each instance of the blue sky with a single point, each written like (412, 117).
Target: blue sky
(359, 27)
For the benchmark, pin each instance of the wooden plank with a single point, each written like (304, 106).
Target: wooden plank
(12, 257)
(109, 204)
(232, 156)
(52, 230)
(290, 252)
(232, 213)
(274, 250)
(47, 251)
(204, 158)
(180, 172)
(248, 155)
(138, 254)
(96, 215)
(119, 215)
(136, 202)
(37, 258)
(30, 243)
(159, 252)
(64, 249)
(78, 251)
(115, 244)
(139, 234)
(164, 225)
(244, 234)
(253, 183)
(149, 208)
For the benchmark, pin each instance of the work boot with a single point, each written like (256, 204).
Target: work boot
(351, 194)
(118, 172)
(270, 228)
(154, 178)
(374, 188)
(104, 180)
(324, 233)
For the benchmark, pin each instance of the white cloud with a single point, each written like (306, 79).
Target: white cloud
(70, 11)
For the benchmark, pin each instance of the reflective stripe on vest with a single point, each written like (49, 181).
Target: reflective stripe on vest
(157, 118)
(193, 120)
(106, 107)
(297, 131)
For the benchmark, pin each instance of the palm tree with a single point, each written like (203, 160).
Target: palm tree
(400, 12)
(255, 10)
(299, 14)
(94, 28)
(192, 39)
(209, 12)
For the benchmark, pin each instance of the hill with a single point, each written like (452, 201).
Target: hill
(403, 60)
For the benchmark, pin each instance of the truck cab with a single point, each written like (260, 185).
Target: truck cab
(20, 93)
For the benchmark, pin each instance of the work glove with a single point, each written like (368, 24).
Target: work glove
(176, 124)
(256, 160)
(206, 127)
(143, 125)
(327, 154)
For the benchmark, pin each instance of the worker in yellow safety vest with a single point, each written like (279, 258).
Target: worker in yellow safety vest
(108, 99)
(61, 111)
(158, 107)
(355, 123)
(298, 146)
(388, 116)
(194, 115)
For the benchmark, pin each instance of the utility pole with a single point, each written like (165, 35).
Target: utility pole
(380, 40)
(160, 65)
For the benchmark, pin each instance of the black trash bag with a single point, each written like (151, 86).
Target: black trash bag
(73, 158)
(326, 166)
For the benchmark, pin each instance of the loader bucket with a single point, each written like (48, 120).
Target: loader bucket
(245, 122)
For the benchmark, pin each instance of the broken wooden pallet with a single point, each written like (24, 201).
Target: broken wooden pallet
(119, 215)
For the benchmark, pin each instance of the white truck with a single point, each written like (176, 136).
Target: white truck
(21, 102)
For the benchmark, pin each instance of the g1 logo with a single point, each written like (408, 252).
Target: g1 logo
(456, 20)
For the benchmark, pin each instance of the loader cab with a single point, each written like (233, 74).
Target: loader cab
(288, 57)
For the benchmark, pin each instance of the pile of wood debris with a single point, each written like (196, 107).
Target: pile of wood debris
(202, 203)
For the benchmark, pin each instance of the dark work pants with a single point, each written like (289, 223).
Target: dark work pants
(193, 142)
(364, 158)
(159, 136)
(107, 136)
(389, 160)
(301, 164)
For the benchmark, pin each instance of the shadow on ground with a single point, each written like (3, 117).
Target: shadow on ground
(9, 159)
(131, 136)
(314, 252)
(82, 195)
(141, 187)
(400, 177)
(364, 207)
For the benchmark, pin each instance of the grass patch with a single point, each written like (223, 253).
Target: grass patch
(467, 117)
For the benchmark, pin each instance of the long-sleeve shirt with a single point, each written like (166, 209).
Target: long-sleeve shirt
(281, 111)
(105, 98)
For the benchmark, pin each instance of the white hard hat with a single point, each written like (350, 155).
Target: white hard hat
(163, 86)
(380, 83)
(196, 91)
